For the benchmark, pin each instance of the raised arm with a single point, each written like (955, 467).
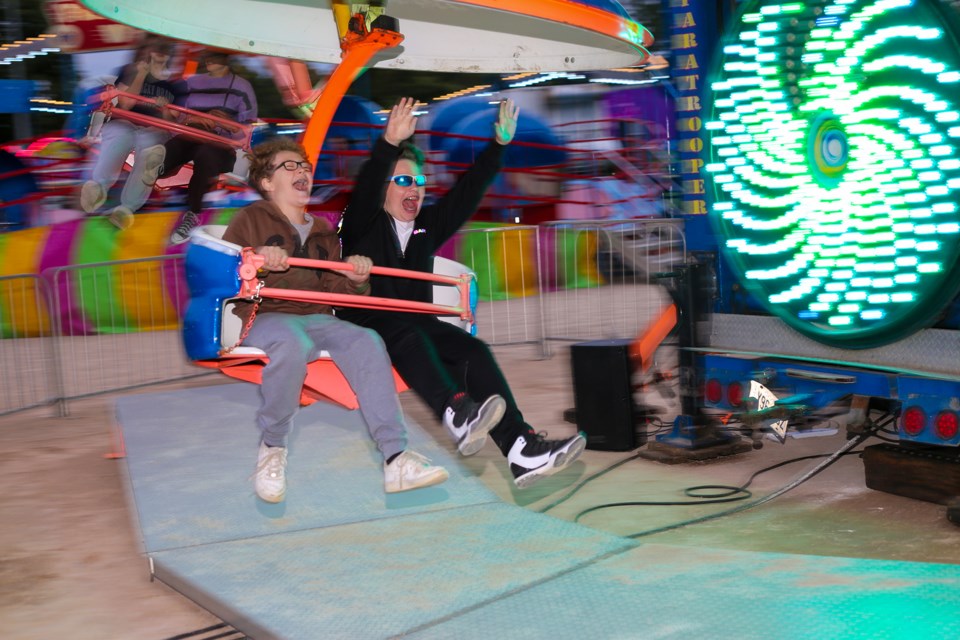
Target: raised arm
(368, 194)
(461, 202)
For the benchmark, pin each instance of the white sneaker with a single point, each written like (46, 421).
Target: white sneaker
(469, 422)
(152, 160)
(92, 196)
(121, 217)
(270, 480)
(533, 457)
(410, 470)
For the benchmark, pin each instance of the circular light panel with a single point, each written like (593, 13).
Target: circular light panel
(832, 153)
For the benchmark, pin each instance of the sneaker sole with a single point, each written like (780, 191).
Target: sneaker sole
(560, 462)
(272, 499)
(490, 417)
(121, 222)
(92, 197)
(429, 481)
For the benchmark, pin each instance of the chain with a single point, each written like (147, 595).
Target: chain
(249, 323)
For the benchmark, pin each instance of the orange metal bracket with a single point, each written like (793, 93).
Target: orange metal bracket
(357, 51)
(641, 350)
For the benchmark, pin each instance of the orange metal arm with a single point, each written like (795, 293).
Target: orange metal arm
(641, 350)
(356, 54)
(365, 302)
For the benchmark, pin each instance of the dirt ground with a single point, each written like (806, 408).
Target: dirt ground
(71, 564)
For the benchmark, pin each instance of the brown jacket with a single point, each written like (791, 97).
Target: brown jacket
(262, 224)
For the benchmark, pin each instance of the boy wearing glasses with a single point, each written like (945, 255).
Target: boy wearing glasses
(293, 333)
(446, 366)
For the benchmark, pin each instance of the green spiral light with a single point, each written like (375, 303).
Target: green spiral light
(832, 155)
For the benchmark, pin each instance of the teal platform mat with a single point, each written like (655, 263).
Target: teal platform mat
(341, 559)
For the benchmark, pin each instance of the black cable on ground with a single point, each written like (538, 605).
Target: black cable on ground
(723, 493)
(846, 448)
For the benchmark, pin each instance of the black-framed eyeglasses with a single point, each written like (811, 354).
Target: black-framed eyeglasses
(293, 165)
(405, 180)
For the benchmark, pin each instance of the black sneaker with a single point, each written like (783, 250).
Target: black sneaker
(188, 222)
(533, 457)
(469, 422)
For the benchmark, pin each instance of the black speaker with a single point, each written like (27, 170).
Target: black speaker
(603, 394)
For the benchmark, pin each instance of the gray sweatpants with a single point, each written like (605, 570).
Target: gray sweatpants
(291, 341)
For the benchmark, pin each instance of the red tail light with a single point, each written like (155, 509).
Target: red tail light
(914, 420)
(735, 394)
(945, 424)
(714, 391)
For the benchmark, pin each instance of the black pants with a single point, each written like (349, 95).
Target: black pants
(437, 360)
(209, 161)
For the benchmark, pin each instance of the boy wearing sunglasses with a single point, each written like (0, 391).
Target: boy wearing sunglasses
(446, 366)
(292, 333)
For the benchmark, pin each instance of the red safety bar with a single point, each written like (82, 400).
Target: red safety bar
(241, 142)
(252, 287)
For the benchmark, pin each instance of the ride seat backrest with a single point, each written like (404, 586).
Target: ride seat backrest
(447, 295)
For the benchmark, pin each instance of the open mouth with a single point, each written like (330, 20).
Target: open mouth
(302, 184)
(411, 204)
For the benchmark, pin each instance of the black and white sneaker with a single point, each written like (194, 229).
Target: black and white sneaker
(469, 422)
(533, 457)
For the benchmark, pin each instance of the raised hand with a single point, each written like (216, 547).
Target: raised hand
(401, 124)
(506, 125)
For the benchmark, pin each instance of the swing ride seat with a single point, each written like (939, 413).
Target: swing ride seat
(210, 328)
(240, 144)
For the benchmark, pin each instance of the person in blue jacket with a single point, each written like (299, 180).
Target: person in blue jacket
(386, 220)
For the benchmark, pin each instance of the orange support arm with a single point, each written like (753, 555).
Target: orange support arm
(641, 350)
(357, 51)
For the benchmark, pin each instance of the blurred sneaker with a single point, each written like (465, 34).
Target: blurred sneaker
(410, 470)
(270, 480)
(92, 196)
(121, 217)
(188, 222)
(152, 163)
(469, 422)
(533, 457)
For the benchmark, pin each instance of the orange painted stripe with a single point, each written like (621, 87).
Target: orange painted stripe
(578, 15)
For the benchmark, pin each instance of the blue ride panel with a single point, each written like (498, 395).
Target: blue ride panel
(821, 386)
(213, 276)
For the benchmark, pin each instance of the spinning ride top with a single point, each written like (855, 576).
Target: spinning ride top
(479, 36)
(833, 153)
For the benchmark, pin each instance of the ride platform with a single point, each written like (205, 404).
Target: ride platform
(341, 559)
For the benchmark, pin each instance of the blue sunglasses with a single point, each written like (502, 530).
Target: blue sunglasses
(406, 180)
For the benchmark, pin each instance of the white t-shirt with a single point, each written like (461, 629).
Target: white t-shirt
(404, 229)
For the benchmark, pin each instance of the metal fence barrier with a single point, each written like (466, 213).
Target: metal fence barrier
(571, 281)
(83, 330)
(26, 347)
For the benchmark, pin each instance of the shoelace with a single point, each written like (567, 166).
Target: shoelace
(535, 440)
(273, 462)
(186, 225)
(413, 460)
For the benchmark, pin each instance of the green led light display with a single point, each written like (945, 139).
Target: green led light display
(833, 159)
